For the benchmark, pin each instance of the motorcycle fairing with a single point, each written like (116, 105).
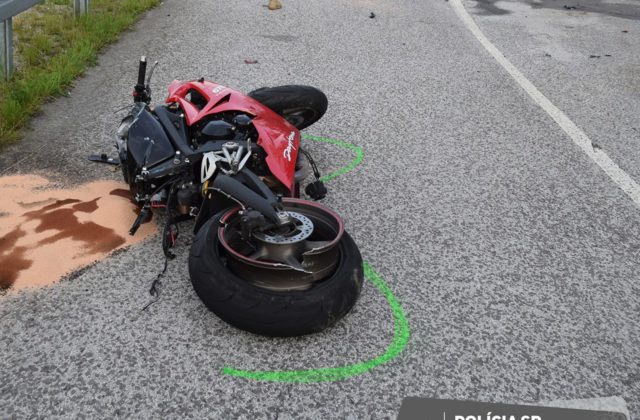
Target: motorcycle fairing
(148, 143)
(279, 139)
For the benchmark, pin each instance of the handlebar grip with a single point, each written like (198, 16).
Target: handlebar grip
(142, 70)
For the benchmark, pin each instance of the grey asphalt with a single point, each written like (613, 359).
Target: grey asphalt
(514, 256)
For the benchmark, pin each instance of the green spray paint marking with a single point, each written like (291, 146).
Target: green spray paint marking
(400, 324)
(399, 342)
(355, 162)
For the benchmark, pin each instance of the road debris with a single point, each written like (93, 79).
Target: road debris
(372, 15)
(274, 5)
(570, 7)
(247, 61)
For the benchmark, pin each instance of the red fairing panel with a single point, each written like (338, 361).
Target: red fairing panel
(276, 136)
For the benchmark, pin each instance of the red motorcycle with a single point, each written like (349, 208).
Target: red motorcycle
(263, 259)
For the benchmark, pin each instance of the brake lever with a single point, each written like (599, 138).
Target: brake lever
(148, 82)
(155, 64)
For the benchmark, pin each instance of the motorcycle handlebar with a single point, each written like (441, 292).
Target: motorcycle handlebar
(142, 70)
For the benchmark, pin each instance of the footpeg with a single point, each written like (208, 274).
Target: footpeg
(103, 158)
(143, 216)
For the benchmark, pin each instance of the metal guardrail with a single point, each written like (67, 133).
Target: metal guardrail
(10, 8)
(80, 7)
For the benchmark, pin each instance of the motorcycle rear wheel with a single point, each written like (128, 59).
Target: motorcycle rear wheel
(269, 312)
(300, 105)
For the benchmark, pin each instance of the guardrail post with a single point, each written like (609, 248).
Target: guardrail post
(6, 48)
(80, 7)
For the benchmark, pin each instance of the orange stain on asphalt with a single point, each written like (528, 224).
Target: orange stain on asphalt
(46, 233)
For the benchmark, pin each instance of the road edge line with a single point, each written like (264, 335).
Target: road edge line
(617, 174)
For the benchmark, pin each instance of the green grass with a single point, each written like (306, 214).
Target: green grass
(52, 48)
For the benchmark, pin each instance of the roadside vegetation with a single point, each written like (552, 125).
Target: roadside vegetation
(52, 48)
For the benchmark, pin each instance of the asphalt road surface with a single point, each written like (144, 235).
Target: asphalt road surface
(514, 256)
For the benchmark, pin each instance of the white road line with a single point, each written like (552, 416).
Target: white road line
(620, 177)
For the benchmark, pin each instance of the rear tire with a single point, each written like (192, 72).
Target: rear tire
(268, 312)
(300, 105)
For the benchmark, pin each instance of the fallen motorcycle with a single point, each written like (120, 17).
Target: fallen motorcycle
(262, 259)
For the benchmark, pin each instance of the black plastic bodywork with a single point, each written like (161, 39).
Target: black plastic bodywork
(177, 136)
(218, 130)
(148, 143)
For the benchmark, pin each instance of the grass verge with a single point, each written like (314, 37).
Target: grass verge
(52, 48)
